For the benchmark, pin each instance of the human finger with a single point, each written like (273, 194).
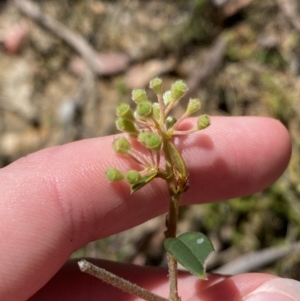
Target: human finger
(56, 200)
(70, 284)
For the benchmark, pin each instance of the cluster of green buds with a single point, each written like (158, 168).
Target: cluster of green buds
(154, 128)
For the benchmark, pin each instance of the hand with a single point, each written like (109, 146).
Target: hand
(57, 200)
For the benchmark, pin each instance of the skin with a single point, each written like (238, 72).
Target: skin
(57, 200)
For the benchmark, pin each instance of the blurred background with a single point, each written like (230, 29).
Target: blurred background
(66, 64)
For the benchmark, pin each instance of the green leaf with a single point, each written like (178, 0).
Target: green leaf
(142, 182)
(191, 250)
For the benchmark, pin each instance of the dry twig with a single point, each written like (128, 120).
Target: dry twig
(72, 38)
(289, 8)
(256, 260)
(211, 64)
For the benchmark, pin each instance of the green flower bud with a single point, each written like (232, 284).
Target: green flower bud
(150, 140)
(168, 97)
(133, 176)
(127, 126)
(194, 105)
(156, 111)
(156, 85)
(139, 95)
(177, 161)
(178, 89)
(124, 110)
(114, 175)
(203, 122)
(170, 121)
(144, 108)
(121, 146)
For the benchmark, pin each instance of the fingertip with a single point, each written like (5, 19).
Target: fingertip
(236, 156)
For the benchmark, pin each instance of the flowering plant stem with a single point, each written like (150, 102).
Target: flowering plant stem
(152, 126)
(171, 223)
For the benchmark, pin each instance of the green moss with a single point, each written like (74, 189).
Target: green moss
(241, 43)
(276, 95)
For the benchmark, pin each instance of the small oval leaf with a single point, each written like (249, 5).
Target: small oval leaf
(191, 250)
(142, 182)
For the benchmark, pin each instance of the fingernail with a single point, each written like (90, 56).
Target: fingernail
(277, 289)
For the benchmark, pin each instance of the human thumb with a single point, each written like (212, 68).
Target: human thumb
(276, 289)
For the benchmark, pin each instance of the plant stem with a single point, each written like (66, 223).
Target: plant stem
(171, 222)
(161, 109)
(171, 232)
(118, 282)
(172, 264)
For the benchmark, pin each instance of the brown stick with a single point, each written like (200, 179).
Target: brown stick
(118, 282)
(72, 38)
(256, 260)
(212, 62)
(290, 11)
